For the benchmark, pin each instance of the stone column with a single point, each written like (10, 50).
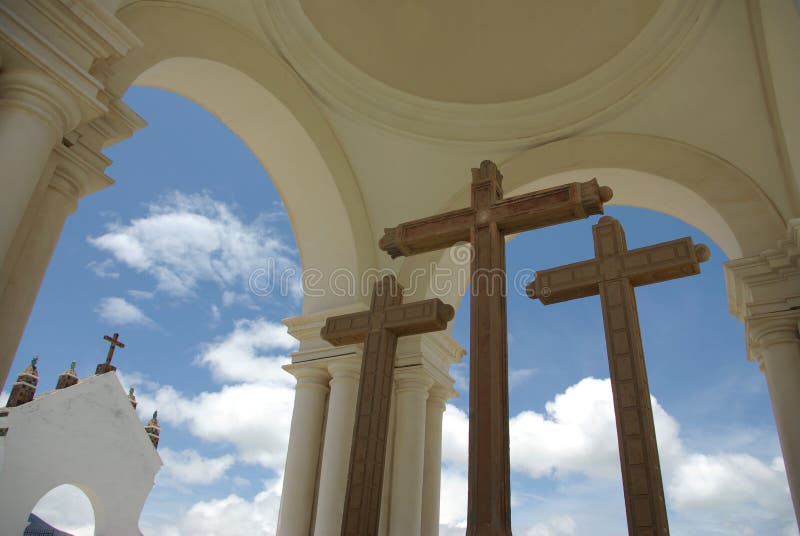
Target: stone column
(775, 343)
(35, 112)
(432, 469)
(336, 449)
(409, 456)
(764, 293)
(302, 458)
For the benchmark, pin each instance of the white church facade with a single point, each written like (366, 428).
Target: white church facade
(85, 434)
(366, 116)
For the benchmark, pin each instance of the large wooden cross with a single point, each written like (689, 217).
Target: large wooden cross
(485, 225)
(114, 341)
(387, 319)
(613, 273)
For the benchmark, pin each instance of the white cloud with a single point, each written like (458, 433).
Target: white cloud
(556, 526)
(218, 516)
(726, 482)
(238, 357)
(253, 414)
(67, 508)
(188, 239)
(576, 437)
(103, 269)
(189, 467)
(516, 377)
(118, 311)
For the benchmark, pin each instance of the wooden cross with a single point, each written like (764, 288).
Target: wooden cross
(387, 319)
(613, 273)
(485, 225)
(102, 368)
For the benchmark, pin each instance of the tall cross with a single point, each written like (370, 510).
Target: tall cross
(485, 225)
(613, 273)
(387, 319)
(114, 343)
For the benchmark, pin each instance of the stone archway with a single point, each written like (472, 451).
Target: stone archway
(67, 507)
(254, 93)
(646, 172)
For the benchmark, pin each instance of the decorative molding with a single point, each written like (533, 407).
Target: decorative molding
(764, 293)
(69, 41)
(18, 36)
(40, 95)
(766, 283)
(355, 94)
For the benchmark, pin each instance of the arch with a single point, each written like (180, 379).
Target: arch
(645, 171)
(71, 504)
(260, 99)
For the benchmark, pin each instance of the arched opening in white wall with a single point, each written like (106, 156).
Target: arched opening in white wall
(66, 508)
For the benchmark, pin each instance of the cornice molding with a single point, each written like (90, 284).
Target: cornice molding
(766, 283)
(69, 41)
(355, 94)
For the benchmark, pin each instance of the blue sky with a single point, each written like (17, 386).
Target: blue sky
(164, 258)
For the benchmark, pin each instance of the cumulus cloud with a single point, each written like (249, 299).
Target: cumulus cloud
(218, 516)
(556, 526)
(67, 508)
(236, 413)
(239, 357)
(189, 467)
(574, 440)
(119, 311)
(185, 240)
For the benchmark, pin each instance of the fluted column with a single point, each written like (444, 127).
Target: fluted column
(302, 458)
(775, 343)
(336, 449)
(432, 469)
(406, 495)
(35, 112)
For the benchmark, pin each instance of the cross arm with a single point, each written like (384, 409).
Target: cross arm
(665, 261)
(565, 283)
(550, 206)
(642, 266)
(418, 317)
(428, 234)
(346, 329)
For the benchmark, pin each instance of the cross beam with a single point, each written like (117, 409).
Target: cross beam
(379, 329)
(484, 224)
(613, 274)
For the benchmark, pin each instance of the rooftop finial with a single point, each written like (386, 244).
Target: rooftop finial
(34, 361)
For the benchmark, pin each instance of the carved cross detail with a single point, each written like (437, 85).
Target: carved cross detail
(114, 344)
(613, 274)
(378, 328)
(484, 224)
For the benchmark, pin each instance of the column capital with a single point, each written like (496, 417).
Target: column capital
(344, 368)
(412, 379)
(40, 95)
(309, 375)
(71, 41)
(770, 329)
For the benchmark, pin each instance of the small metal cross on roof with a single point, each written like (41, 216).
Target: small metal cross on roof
(107, 366)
